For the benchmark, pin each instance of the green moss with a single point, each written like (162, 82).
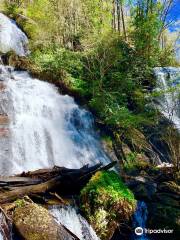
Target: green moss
(109, 183)
(135, 162)
(106, 201)
(20, 203)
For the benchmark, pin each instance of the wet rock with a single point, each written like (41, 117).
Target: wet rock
(139, 143)
(4, 132)
(108, 148)
(4, 119)
(34, 222)
(142, 187)
(2, 87)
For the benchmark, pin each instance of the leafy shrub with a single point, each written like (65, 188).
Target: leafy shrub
(61, 64)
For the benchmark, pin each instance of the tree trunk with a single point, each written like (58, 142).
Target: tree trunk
(46, 180)
(123, 21)
(118, 18)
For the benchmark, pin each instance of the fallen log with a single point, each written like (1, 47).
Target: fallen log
(17, 181)
(18, 192)
(46, 180)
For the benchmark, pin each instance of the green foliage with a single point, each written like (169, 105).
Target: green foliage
(11, 8)
(19, 203)
(166, 57)
(107, 75)
(116, 80)
(109, 183)
(58, 59)
(146, 28)
(135, 161)
(106, 201)
(61, 64)
(74, 42)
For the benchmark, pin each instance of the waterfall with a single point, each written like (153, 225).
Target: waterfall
(168, 87)
(43, 128)
(11, 37)
(139, 220)
(73, 221)
(40, 128)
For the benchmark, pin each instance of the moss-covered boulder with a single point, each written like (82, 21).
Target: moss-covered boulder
(34, 222)
(107, 203)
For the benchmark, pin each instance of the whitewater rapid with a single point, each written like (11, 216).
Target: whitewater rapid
(68, 217)
(45, 128)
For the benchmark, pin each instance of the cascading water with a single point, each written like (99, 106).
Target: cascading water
(139, 220)
(73, 221)
(168, 86)
(11, 37)
(40, 128)
(45, 128)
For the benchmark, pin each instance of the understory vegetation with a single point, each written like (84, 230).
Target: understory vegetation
(101, 51)
(107, 203)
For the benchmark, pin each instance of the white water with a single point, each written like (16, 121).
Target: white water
(11, 37)
(45, 128)
(68, 217)
(168, 85)
(140, 219)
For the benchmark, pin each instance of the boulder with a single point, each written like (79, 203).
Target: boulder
(140, 144)
(34, 222)
(107, 203)
(107, 145)
(142, 188)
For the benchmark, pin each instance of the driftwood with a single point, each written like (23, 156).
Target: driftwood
(59, 179)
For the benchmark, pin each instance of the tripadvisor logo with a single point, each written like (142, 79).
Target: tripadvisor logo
(140, 231)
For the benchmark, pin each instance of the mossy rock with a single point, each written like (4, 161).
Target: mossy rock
(34, 222)
(107, 203)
